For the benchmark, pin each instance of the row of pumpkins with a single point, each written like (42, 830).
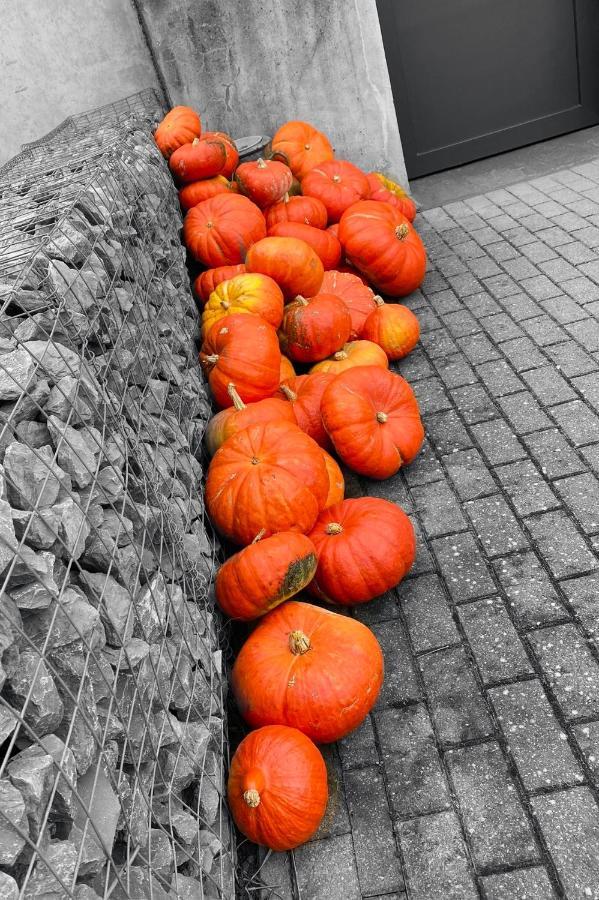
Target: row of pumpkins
(290, 246)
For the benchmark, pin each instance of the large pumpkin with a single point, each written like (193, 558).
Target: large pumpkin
(338, 184)
(384, 246)
(232, 154)
(373, 420)
(241, 415)
(357, 296)
(304, 392)
(220, 231)
(264, 574)
(301, 146)
(264, 181)
(181, 125)
(200, 159)
(309, 668)
(325, 244)
(307, 210)
(394, 327)
(365, 547)
(197, 191)
(266, 478)
(243, 350)
(382, 188)
(336, 480)
(251, 293)
(277, 789)
(292, 263)
(208, 281)
(355, 353)
(314, 328)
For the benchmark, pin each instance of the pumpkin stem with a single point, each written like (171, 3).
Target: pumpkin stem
(252, 798)
(259, 536)
(378, 300)
(382, 417)
(232, 392)
(195, 142)
(402, 231)
(340, 354)
(299, 643)
(334, 528)
(286, 197)
(291, 395)
(225, 304)
(301, 300)
(212, 358)
(336, 178)
(262, 164)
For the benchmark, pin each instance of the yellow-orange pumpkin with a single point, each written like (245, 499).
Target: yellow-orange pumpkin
(355, 353)
(393, 327)
(235, 418)
(179, 126)
(252, 294)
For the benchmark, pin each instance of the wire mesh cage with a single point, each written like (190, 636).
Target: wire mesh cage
(112, 703)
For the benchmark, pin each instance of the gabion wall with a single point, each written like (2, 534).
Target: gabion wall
(112, 731)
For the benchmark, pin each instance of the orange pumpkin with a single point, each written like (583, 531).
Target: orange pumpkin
(313, 329)
(179, 126)
(287, 370)
(300, 146)
(292, 263)
(197, 191)
(277, 789)
(365, 547)
(243, 350)
(200, 159)
(393, 327)
(351, 270)
(356, 353)
(356, 295)
(209, 280)
(239, 416)
(264, 574)
(336, 480)
(264, 181)
(219, 231)
(384, 246)
(267, 478)
(232, 154)
(333, 229)
(338, 184)
(309, 668)
(373, 420)
(304, 392)
(308, 210)
(255, 294)
(383, 189)
(325, 244)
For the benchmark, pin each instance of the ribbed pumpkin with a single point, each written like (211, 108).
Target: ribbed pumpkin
(251, 293)
(301, 146)
(292, 263)
(373, 420)
(179, 126)
(264, 574)
(338, 184)
(243, 350)
(393, 327)
(384, 246)
(307, 210)
(200, 159)
(197, 191)
(287, 370)
(334, 228)
(232, 154)
(266, 478)
(219, 231)
(336, 480)
(304, 392)
(314, 328)
(241, 415)
(356, 295)
(209, 280)
(365, 547)
(383, 189)
(264, 181)
(277, 789)
(309, 668)
(355, 353)
(325, 244)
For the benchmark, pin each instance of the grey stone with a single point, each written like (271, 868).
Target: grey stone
(114, 604)
(33, 476)
(13, 823)
(8, 540)
(34, 434)
(150, 608)
(38, 529)
(9, 889)
(8, 721)
(73, 529)
(41, 566)
(69, 618)
(33, 776)
(98, 803)
(70, 397)
(33, 683)
(54, 869)
(64, 762)
(16, 371)
(74, 453)
(55, 360)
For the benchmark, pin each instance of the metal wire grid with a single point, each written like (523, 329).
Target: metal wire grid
(102, 348)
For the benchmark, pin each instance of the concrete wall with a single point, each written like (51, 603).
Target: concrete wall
(249, 65)
(59, 57)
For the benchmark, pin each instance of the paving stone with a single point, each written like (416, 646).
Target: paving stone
(428, 321)
(275, 875)
(538, 252)
(496, 526)
(435, 858)
(571, 671)
(479, 349)
(438, 343)
(469, 474)
(498, 378)
(424, 561)
(456, 704)
(526, 487)
(425, 468)
(327, 868)
(523, 354)
(438, 509)
(571, 359)
(519, 267)
(455, 371)
(532, 597)
(589, 388)
(549, 386)
(502, 286)
(465, 284)
(564, 310)
(560, 545)
(358, 748)
(576, 253)
(569, 821)
(483, 267)
(497, 649)
(400, 684)
(580, 494)
(581, 289)
(501, 327)
(481, 305)
(521, 884)
(415, 366)
(381, 609)
(474, 403)
(535, 738)
(498, 442)
(524, 413)
(336, 817)
(520, 307)
(446, 432)
(577, 421)
(502, 251)
(462, 322)
(553, 454)
(428, 616)
(543, 330)
(587, 738)
(583, 595)
(431, 396)
(554, 236)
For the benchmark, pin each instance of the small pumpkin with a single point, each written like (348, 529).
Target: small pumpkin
(356, 295)
(292, 263)
(243, 350)
(181, 125)
(309, 668)
(304, 393)
(208, 281)
(277, 788)
(287, 370)
(355, 353)
(383, 188)
(314, 328)
(307, 210)
(241, 415)
(264, 181)
(264, 574)
(338, 184)
(325, 244)
(219, 231)
(365, 547)
(384, 246)
(393, 327)
(232, 154)
(336, 480)
(373, 420)
(270, 478)
(301, 146)
(197, 191)
(200, 159)
(251, 293)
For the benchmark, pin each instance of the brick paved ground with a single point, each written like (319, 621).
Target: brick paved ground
(477, 775)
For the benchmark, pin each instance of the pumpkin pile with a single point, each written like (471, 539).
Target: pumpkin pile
(296, 250)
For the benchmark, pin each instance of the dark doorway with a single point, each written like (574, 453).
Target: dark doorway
(472, 78)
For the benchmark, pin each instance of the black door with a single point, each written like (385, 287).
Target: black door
(472, 78)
